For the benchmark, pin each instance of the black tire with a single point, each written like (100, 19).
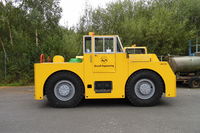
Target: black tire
(194, 83)
(67, 76)
(131, 89)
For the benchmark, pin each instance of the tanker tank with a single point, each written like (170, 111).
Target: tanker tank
(185, 63)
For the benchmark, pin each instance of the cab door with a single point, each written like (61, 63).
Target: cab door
(104, 55)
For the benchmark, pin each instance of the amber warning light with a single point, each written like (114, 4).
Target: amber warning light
(91, 33)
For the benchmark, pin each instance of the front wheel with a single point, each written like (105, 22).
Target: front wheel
(144, 88)
(64, 89)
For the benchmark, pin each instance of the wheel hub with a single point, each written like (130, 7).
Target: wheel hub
(144, 88)
(64, 90)
(195, 83)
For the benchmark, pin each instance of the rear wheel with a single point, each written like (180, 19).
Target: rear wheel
(194, 83)
(64, 89)
(144, 88)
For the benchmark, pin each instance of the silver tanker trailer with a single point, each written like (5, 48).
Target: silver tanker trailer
(187, 69)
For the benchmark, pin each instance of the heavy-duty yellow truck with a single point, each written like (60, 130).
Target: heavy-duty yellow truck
(106, 70)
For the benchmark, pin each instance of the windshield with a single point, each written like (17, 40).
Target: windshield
(119, 45)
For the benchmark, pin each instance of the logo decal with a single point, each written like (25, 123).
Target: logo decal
(104, 59)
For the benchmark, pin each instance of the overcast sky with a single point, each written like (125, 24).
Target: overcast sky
(73, 9)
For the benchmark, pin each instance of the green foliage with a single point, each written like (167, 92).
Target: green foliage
(30, 27)
(27, 29)
(164, 26)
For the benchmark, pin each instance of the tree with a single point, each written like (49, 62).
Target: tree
(157, 24)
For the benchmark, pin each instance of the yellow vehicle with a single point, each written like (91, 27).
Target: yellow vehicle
(106, 70)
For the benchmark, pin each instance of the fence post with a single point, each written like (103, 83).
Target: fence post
(190, 48)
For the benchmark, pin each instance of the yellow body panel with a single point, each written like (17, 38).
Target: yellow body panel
(124, 67)
(118, 77)
(115, 67)
(44, 70)
(163, 69)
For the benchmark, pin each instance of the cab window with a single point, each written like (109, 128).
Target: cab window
(88, 44)
(135, 51)
(104, 44)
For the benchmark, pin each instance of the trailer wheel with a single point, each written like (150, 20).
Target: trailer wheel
(194, 83)
(144, 88)
(64, 89)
